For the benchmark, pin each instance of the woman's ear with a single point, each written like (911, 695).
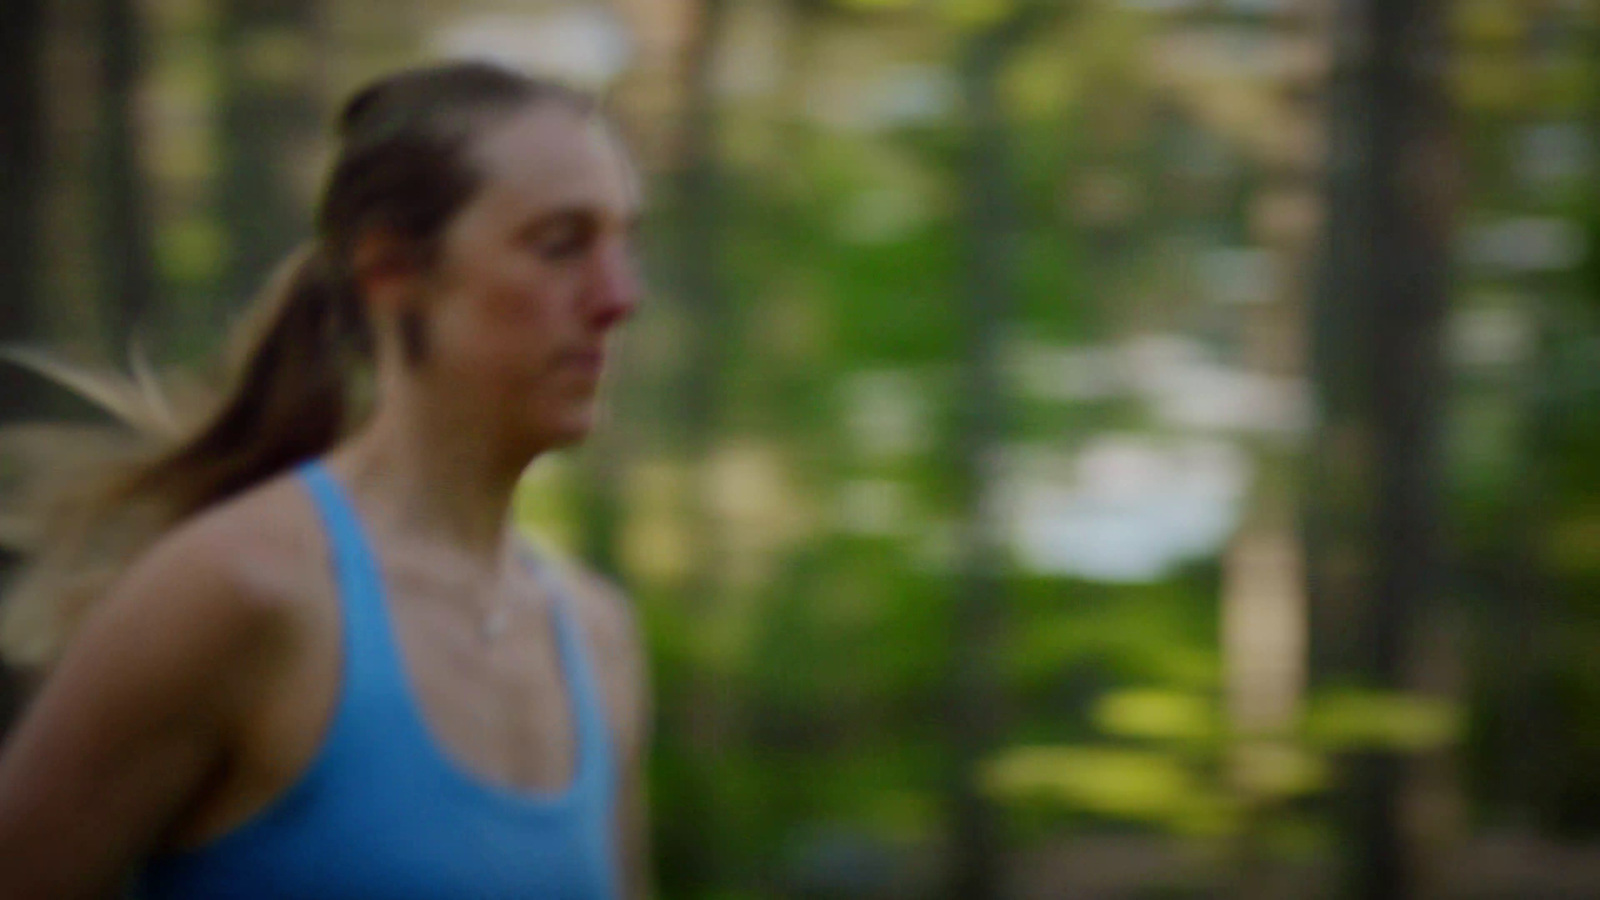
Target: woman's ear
(391, 276)
(386, 270)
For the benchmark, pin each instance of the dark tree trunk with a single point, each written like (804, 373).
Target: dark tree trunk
(269, 118)
(1374, 533)
(700, 196)
(703, 862)
(976, 701)
(125, 250)
(22, 161)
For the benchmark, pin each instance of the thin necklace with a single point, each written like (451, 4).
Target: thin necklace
(498, 618)
(493, 625)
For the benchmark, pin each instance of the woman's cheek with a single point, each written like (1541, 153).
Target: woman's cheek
(522, 298)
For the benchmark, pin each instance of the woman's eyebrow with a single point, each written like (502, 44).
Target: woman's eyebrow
(630, 223)
(571, 214)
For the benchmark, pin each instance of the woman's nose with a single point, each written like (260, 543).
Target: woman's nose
(615, 286)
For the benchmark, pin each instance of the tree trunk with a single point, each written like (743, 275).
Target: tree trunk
(22, 160)
(125, 249)
(269, 120)
(1376, 544)
(976, 701)
(703, 861)
(699, 196)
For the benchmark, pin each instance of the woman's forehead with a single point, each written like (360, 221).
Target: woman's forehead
(553, 157)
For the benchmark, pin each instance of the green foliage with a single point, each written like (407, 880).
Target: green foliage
(192, 251)
(1138, 785)
(1357, 720)
(1160, 715)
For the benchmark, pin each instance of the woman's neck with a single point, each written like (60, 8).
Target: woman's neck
(448, 480)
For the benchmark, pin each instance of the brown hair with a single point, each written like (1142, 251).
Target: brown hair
(403, 167)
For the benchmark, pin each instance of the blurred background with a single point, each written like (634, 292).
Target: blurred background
(1072, 448)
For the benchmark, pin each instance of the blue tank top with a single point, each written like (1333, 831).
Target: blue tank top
(382, 813)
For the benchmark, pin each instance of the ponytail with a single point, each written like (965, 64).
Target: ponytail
(289, 397)
(289, 401)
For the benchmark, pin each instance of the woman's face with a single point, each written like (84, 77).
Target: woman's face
(534, 274)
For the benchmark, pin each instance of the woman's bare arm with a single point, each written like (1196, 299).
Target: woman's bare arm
(134, 719)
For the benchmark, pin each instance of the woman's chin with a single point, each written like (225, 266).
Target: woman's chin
(569, 430)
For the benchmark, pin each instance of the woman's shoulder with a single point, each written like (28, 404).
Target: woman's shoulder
(611, 626)
(200, 625)
(605, 609)
(252, 561)
(602, 607)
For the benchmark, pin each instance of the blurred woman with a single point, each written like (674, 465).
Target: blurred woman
(327, 666)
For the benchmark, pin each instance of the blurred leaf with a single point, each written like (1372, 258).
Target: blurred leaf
(1041, 82)
(1136, 784)
(192, 250)
(1279, 770)
(1157, 714)
(1353, 720)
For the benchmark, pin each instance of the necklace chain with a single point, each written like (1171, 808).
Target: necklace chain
(495, 622)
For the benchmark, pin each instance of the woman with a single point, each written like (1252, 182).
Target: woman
(331, 670)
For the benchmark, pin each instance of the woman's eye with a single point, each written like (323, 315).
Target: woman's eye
(564, 241)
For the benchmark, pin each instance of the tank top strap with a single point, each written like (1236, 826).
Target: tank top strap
(576, 666)
(371, 661)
